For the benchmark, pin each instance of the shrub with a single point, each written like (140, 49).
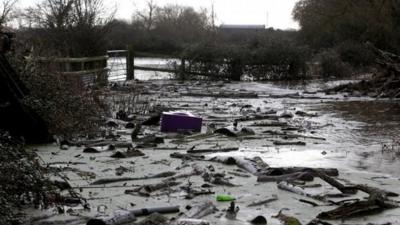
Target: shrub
(355, 54)
(332, 65)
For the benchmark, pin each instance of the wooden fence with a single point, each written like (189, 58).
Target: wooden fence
(90, 70)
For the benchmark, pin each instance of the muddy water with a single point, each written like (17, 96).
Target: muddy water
(354, 128)
(358, 128)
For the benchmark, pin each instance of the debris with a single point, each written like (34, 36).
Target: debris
(154, 219)
(136, 132)
(232, 211)
(145, 190)
(305, 176)
(376, 202)
(212, 150)
(263, 202)
(270, 124)
(117, 218)
(186, 221)
(286, 114)
(289, 143)
(225, 131)
(152, 120)
(304, 114)
(259, 220)
(225, 198)
(120, 179)
(129, 153)
(125, 216)
(90, 150)
(255, 166)
(287, 220)
(201, 210)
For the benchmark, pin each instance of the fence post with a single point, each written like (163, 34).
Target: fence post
(182, 69)
(130, 57)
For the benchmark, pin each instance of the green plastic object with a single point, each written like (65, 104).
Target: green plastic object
(225, 198)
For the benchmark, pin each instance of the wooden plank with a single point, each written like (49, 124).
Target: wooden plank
(72, 60)
(77, 73)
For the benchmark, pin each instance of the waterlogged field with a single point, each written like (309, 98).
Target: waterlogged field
(357, 136)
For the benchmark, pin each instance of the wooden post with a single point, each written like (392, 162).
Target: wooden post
(182, 69)
(130, 71)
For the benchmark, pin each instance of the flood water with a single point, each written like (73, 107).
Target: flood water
(117, 67)
(358, 128)
(355, 130)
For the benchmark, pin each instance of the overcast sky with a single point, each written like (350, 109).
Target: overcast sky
(277, 13)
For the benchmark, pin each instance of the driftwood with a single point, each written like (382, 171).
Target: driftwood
(304, 176)
(300, 191)
(255, 166)
(218, 179)
(212, 150)
(376, 202)
(145, 190)
(258, 117)
(290, 135)
(263, 202)
(222, 95)
(269, 124)
(289, 143)
(121, 179)
(190, 157)
(201, 210)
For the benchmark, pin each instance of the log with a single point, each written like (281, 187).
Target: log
(255, 166)
(298, 190)
(121, 179)
(376, 202)
(147, 189)
(192, 151)
(263, 202)
(304, 176)
(201, 210)
(289, 143)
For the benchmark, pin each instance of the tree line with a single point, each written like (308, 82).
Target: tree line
(332, 32)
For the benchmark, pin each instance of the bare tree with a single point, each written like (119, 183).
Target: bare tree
(148, 15)
(70, 27)
(6, 8)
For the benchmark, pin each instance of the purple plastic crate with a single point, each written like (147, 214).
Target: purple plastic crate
(180, 121)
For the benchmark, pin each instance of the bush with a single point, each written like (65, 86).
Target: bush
(269, 60)
(355, 54)
(67, 107)
(21, 180)
(332, 65)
